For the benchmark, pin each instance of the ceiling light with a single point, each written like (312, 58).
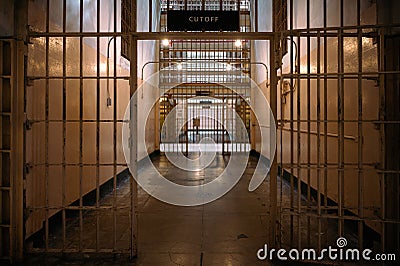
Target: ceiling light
(165, 42)
(238, 43)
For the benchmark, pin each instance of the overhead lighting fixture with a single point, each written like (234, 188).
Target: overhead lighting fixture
(165, 42)
(228, 67)
(179, 66)
(238, 43)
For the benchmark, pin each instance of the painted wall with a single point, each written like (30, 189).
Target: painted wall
(148, 53)
(370, 103)
(36, 143)
(260, 53)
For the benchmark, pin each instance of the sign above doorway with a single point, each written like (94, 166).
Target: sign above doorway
(203, 20)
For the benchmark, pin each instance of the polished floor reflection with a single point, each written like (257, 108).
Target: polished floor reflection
(228, 231)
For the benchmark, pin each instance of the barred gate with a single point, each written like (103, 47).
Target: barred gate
(78, 88)
(333, 116)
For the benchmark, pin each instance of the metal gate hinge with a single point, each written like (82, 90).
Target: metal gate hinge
(28, 168)
(27, 213)
(29, 81)
(28, 123)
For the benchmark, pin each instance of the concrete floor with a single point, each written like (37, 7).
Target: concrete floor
(228, 231)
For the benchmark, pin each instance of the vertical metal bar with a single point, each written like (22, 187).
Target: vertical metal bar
(319, 138)
(282, 119)
(133, 149)
(81, 21)
(186, 124)
(12, 177)
(134, 130)
(293, 67)
(13, 152)
(213, 121)
(223, 125)
(47, 129)
(18, 132)
(360, 131)
(382, 141)
(2, 249)
(2, 165)
(176, 129)
(150, 15)
(98, 129)
(115, 117)
(217, 116)
(308, 124)
(340, 99)
(274, 166)
(64, 115)
(325, 191)
(209, 122)
(298, 144)
(235, 122)
(255, 15)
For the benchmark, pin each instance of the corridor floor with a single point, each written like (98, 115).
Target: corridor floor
(228, 231)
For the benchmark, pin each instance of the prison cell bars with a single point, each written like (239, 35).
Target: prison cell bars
(48, 35)
(323, 210)
(98, 121)
(178, 50)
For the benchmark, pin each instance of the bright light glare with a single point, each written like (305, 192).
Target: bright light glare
(165, 42)
(228, 67)
(179, 66)
(103, 67)
(238, 43)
